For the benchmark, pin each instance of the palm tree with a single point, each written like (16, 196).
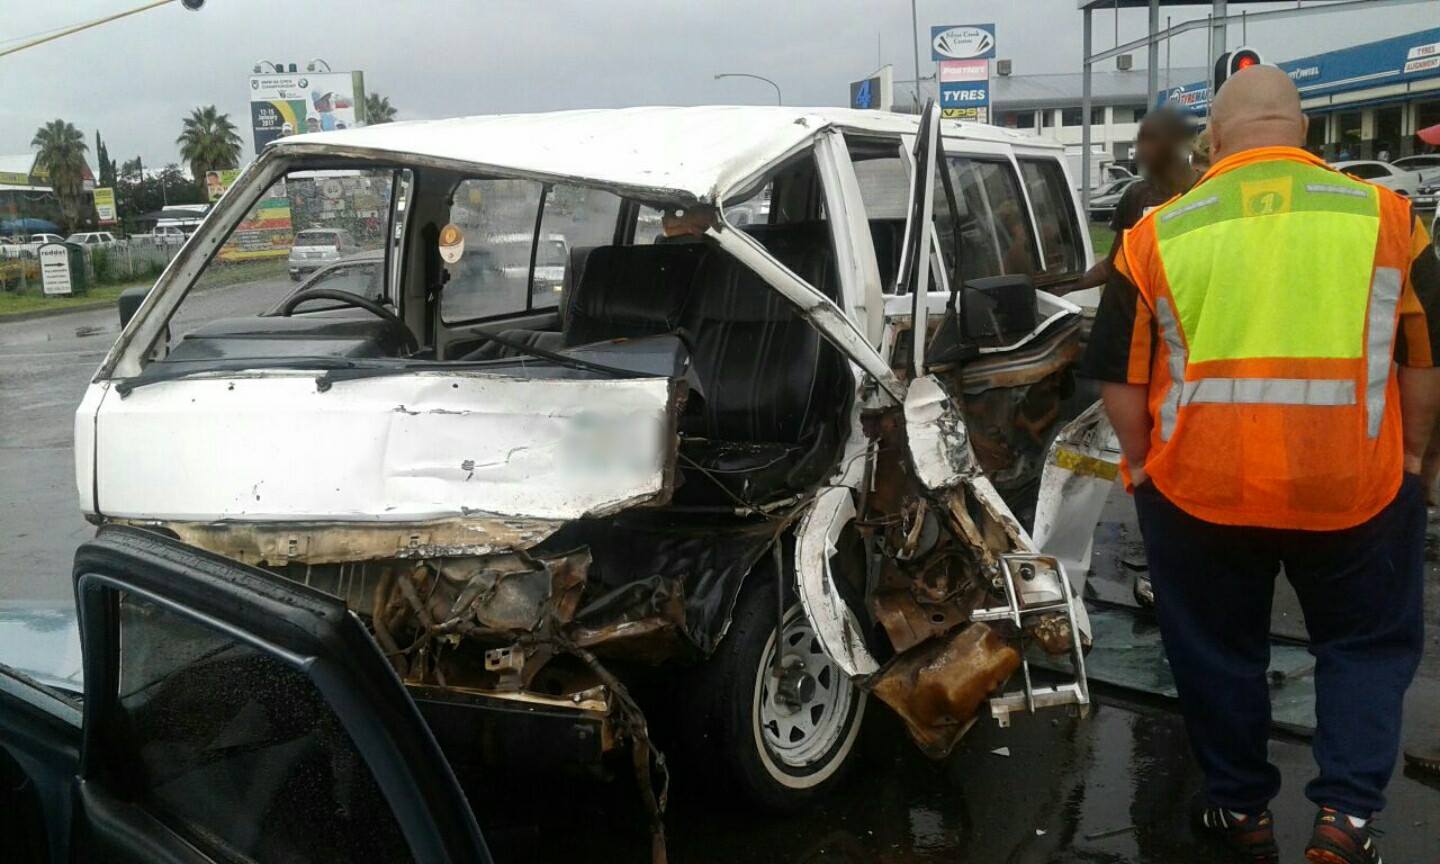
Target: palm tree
(62, 155)
(378, 109)
(208, 142)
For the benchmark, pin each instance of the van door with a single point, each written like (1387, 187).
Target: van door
(231, 715)
(914, 271)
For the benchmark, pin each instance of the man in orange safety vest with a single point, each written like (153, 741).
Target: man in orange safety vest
(1266, 345)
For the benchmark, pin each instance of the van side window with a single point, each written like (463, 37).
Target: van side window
(492, 276)
(885, 190)
(1063, 252)
(993, 222)
(506, 267)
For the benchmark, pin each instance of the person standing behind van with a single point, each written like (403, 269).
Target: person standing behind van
(1163, 153)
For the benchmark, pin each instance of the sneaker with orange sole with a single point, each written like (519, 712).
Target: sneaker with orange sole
(1337, 840)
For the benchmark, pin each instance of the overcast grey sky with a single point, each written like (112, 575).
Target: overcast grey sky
(134, 79)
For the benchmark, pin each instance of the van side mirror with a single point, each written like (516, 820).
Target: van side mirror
(999, 309)
(129, 301)
(996, 310)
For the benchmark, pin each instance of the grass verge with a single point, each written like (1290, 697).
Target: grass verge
(218, 276)
(21, 302)
(1100, 238)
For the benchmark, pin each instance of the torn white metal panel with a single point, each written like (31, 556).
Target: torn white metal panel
(939, 447)
(418, 446)
(854, 247)
(839, 631)
(1079, 475)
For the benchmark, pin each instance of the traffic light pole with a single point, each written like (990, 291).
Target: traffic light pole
(86, 25)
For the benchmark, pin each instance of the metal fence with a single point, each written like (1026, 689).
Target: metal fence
(135, 259)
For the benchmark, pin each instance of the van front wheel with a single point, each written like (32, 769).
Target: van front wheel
(785, 728)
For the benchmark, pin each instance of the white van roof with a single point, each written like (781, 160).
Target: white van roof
(699, 153)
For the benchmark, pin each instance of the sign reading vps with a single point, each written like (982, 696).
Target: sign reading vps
(962, 42)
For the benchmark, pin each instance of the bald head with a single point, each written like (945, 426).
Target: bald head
(1256, 107)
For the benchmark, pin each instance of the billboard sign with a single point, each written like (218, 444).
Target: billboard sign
(290, 103)
(962, 42)
(218, 182)
(969, 115)
(874, 93)
(963, 94)
(1388, 62)
(265, 232)
(964, 70)
(105, 205)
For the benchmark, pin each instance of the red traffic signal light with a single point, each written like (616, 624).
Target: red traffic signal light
(1233, 61)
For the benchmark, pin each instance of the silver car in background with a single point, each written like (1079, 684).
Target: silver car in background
(315, 248)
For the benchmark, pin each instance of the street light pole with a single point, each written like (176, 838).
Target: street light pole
(779, 99)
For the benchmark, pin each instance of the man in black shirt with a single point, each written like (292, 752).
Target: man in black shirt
(1162, 149)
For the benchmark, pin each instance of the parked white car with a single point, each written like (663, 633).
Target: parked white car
(94, 239)
(721, 456)
(1382, 174)
(37, 240)
(1426, 164)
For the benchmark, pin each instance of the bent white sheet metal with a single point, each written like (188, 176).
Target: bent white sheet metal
(1079, 474)
(837, 628)
(397, 448)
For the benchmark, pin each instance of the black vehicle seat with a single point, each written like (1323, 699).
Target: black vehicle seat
(550, 340)
(773, 390)
(629, 291)
(574, 273)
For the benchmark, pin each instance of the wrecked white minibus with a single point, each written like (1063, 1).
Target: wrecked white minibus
(591, 426)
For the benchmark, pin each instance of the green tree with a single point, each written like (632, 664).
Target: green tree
(208, 142)
(378, 109)
(105, 166)
(61, 154)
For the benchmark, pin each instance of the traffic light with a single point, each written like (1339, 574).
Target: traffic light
(1233, 61)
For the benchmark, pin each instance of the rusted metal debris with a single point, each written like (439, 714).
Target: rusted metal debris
(939, 688)
(276, 544)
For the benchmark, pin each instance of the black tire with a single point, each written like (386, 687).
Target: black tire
(722, 724)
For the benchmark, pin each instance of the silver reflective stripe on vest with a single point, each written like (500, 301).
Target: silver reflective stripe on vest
(1190, 208)
(1170, 332)
(1327, 189)
(1269, 391)
(1380, 344)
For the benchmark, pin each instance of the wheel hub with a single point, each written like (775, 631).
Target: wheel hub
(803, 701)
(795, 687)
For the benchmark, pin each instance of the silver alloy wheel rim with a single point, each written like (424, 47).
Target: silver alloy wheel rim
(800, 737)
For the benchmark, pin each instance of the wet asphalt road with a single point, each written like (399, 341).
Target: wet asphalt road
(45, 366)
(1115, 787)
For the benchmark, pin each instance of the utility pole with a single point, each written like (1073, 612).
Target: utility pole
(915, 25)
(1087, 76)
(1152, 57)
